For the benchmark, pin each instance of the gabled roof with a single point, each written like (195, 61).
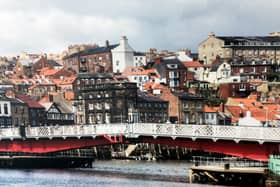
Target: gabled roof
(96, 50)
(3, 97)
(48, 71)
(29, 101)
(153, 86)
(192, 64)
(47, 105)
(208, 109)
(135, 70)
(54, 63)
(163, 65)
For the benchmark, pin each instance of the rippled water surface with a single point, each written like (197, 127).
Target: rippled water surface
(115, 173)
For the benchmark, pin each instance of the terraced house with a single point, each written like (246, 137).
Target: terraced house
(101, 99)
(93, 60)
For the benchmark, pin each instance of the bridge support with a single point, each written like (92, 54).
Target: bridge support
(250, 150)
(53, 145)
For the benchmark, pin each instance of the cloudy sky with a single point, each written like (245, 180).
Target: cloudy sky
(50, 26)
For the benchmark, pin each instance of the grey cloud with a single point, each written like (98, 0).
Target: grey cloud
(50, 26)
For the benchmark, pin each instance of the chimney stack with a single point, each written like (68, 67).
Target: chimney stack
(106, 43)
(157, 60)
(212, 34)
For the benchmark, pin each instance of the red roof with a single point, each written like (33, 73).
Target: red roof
(153, 86)
(208, 109)
(69, 95)
(49, 72)
(29, 101)
(192, 64)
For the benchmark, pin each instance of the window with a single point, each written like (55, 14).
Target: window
(242, 87)
(90, 106)
(117, 63)
(173, 74)
(107, 106)
(172, 66)
(174, 83)
(5, 109)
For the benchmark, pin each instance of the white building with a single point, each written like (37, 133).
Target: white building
(139, 59)
(195, 67)
(211, 115)
(183, 57)
(248, 120)
(122, 56)
(140, 76)
(219, 73)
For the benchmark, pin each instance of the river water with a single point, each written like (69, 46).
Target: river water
(114, 173)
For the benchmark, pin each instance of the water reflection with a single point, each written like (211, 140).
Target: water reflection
(115, 173)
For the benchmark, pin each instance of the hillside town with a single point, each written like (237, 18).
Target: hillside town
(232, 80)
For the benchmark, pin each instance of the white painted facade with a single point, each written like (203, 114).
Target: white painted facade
(139, 60)
(211, 118)
(221, 75)
(140, 80)
(5, 108)
(198, 72)
(183, 57)
(122, 56)
(249, 121)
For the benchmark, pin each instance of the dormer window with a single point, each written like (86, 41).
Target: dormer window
(172, 66)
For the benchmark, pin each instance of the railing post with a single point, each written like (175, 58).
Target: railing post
(63, 130)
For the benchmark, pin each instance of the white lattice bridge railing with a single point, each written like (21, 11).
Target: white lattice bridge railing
(214, 132)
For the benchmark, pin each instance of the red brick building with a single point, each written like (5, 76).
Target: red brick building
(93, 60)
(251, 69)
(172, 72)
